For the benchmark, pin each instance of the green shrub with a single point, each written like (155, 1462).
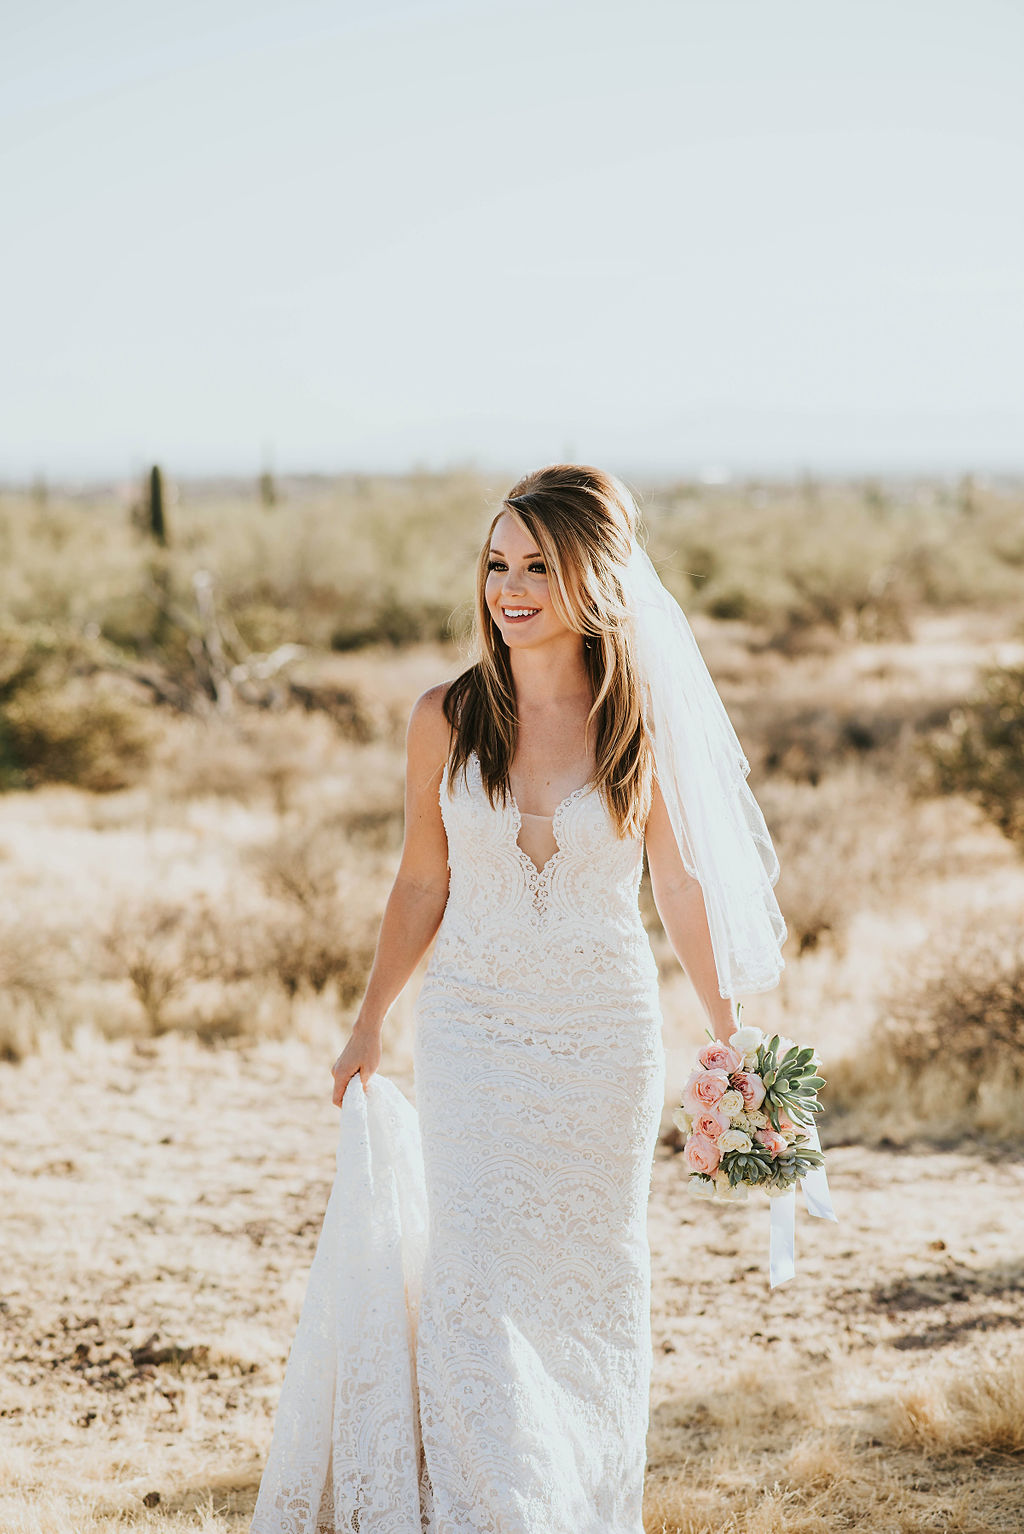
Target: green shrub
(982, 753)
(60, 722)
(85, 732)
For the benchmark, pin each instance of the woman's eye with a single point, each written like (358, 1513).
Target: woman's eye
(499, 564)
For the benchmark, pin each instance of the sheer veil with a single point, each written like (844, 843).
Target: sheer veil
(702, 772)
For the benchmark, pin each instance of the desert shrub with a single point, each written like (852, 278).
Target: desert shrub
(327, 946)
(253, 756)
(357, 560)
(842, 849)
(86, 733)
(844, 559)
(32, 972)
(804, 743)
(62, 722)
(969, 1010)
(203, 966)
(807, 741)
(162, 947)
(323, 933)
(312, 928)
(946, 1056)
(981, 754)
(384, 617)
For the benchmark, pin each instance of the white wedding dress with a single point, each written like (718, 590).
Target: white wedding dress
(473, 1354)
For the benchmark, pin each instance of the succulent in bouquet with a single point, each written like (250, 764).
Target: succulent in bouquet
(748, 1111)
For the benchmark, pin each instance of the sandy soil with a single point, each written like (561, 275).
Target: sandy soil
(161, 1199)
(161, 1205)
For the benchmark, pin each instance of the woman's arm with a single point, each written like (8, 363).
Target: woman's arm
(418, 896)
(680, 902)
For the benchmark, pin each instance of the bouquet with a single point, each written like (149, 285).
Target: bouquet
(745, 1110)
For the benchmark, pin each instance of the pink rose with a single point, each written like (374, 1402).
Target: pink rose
(703, 1089)
(701, 1154)
(773, 1142)
(718, 1056)
(710, 1122)
(750, 1087)
(786, 1124)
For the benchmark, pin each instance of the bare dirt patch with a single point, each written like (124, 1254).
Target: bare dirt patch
(162, 1202)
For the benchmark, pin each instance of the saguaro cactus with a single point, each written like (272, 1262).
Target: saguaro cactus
(268, 489)
(157, 520)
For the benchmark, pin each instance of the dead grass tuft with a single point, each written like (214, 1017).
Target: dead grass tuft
(978, 1409)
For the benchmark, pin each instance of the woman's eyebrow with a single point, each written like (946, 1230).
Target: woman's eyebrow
(535, 555)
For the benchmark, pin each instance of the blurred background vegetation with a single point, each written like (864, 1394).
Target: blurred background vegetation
(210, 681)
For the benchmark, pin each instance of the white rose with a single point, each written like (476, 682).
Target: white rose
(682, 1120)
(731, 1102)
(756, 1118)
(746, 1040)
(750, 1061)
(734, 1140)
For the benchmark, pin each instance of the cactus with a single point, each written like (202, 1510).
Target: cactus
(268, 489)
(157, 520)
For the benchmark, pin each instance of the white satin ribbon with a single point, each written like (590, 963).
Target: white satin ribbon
(782, 1216)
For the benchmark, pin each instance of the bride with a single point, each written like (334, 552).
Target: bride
(586, 731)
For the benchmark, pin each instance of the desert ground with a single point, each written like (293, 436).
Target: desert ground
(189, 892)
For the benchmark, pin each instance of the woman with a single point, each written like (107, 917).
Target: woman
(535, 780)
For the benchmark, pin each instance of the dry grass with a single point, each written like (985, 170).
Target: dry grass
(977, 1411)
(179, 958)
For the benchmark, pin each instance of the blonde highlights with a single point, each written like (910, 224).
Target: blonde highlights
(584, 522)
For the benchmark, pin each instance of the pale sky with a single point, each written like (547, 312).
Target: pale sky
(658, 235)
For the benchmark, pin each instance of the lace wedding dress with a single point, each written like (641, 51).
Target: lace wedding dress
(473, 1354)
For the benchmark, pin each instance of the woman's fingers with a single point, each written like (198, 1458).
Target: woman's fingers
(342, 1077)
(344, 1071)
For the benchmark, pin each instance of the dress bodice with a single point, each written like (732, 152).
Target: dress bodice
(571, 928)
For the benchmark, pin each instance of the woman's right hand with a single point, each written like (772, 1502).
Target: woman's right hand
(360, 1057)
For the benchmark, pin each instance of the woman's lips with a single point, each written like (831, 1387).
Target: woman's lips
(509, 619)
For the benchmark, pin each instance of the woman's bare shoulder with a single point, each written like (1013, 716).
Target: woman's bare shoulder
(428, 734)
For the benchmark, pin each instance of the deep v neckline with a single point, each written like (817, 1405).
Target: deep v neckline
(537, 878)
(536, 873)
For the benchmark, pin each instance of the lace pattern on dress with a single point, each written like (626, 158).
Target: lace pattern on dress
(509, 1238)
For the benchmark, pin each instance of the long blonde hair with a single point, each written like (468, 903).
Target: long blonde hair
(583, 521)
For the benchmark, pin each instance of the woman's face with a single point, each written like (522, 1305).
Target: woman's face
(516, 592)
